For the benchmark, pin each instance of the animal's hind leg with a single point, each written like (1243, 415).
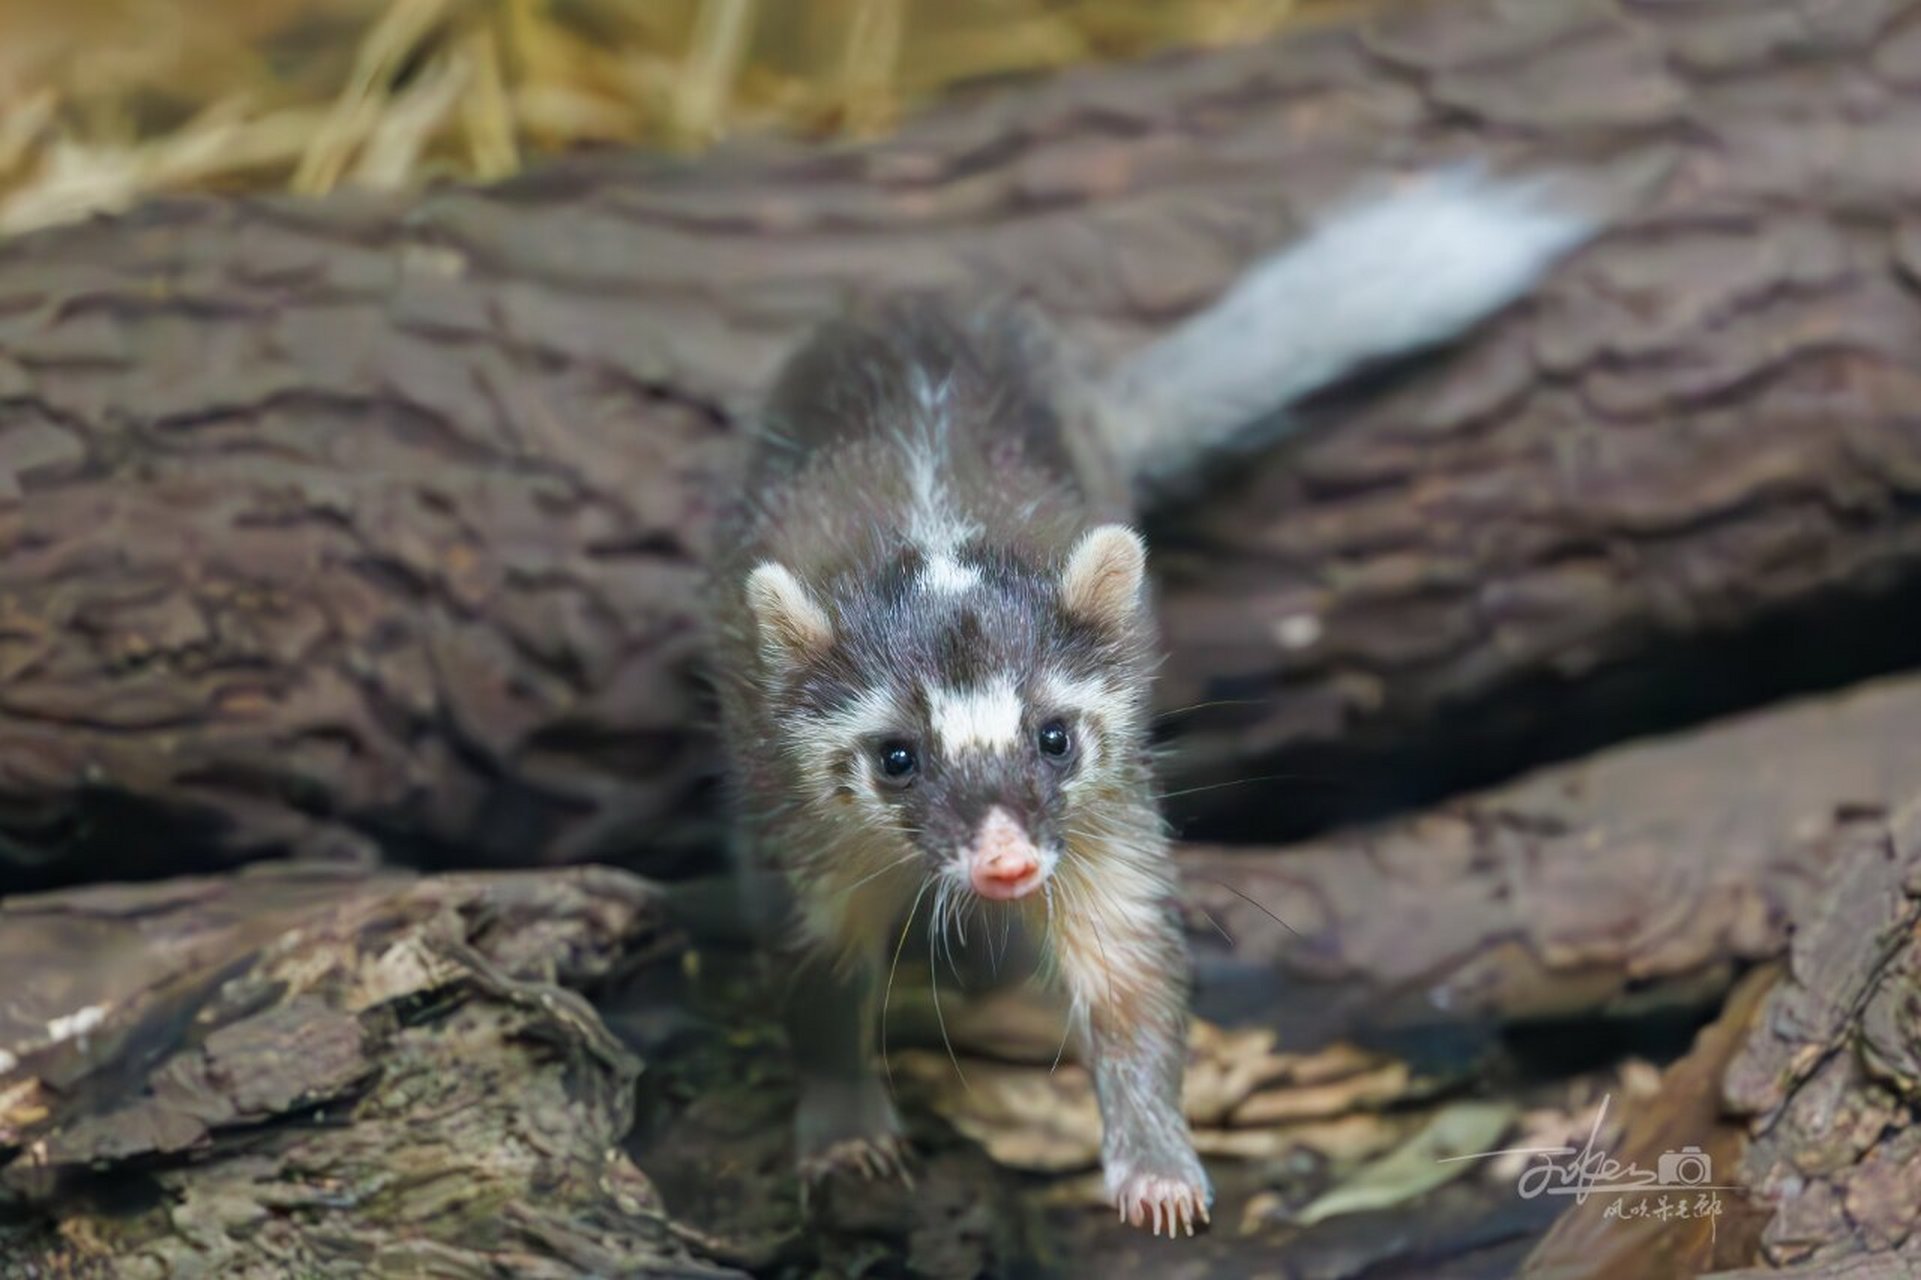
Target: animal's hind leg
(845, 1118)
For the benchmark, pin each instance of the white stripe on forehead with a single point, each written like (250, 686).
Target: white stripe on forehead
(985, 718)
(948, 576)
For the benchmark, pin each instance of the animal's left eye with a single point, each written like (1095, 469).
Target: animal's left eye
(899, 762)
(1054, 740)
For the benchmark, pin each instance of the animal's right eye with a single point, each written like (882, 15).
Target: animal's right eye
(899, 762)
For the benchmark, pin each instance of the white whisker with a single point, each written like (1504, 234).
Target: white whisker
(903, 860)
(892, 969)
(933, 976)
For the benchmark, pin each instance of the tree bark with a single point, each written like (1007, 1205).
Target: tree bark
(1803, 1096)
(281, 1067)
(265, 1076)
(376, 522)
(1829, 1080)
(1640, 878)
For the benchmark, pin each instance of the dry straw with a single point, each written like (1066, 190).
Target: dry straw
(103, 101)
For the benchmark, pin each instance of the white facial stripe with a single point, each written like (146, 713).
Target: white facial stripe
(1101, 705)
(813, 742)
(814, 738)
(1084, 694)
(984, 719)
(948, 576)
(873, 712)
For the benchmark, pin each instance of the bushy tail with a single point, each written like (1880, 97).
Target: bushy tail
(1379, 278)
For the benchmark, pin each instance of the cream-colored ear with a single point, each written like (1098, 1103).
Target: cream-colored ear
(1104, 574)
(790, 625)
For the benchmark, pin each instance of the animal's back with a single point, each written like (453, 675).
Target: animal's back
(919, 406)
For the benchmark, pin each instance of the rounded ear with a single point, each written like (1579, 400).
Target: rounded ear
(790, 625)
(1104, 575)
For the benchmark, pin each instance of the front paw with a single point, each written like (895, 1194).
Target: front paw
(848, 1127)
(869, 1156)
(1146, 1198)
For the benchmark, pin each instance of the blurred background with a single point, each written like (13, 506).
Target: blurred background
(102, 101)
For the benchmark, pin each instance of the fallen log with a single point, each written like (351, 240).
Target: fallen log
(1642, 877)
(1828, 1082)
(373, 523)
(325, 1075)
(287, 1066)
(1803, 1099)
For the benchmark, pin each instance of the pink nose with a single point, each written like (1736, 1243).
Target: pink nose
(1003, 863)
(1007, 876)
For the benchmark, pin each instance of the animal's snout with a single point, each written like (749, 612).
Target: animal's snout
(1006, 870)
(1002, 863)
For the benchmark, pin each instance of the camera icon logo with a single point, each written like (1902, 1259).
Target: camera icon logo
(1688, 1167)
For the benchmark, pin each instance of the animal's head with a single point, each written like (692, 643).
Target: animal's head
(974, 711)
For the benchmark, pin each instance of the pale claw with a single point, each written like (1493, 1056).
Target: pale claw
(871, 1158)
(1156, 1202)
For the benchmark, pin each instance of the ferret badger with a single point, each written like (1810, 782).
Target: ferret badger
(934, 648)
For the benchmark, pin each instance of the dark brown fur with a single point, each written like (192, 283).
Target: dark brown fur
(872, 405)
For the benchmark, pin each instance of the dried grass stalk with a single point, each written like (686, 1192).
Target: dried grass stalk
(104, 101)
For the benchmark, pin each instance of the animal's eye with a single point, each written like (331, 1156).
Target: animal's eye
(898, 762)
(1054, 740)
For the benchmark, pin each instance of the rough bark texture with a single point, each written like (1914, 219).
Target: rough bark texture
(375, 522)
(1812, 1114)
(1636, 878)
(373, 1073)
(1830, 1080)
(298, 1075)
